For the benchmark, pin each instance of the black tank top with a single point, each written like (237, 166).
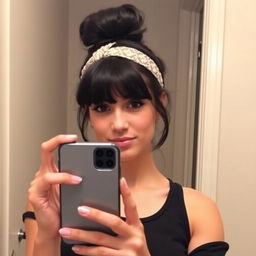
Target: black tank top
(167, 231)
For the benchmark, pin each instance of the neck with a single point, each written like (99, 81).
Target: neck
(141, 172)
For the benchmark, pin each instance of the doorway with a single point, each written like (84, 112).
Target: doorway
(188, 92)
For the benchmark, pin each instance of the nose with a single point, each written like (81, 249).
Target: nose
(119, 121)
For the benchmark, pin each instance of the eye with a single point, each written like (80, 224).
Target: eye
(135, 104)
(100, 108)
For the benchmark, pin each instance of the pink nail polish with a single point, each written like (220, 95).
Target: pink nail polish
(83, 210)
(71, 136)
(123, 180)
(76, 179)
(64, 232)
(75, 249)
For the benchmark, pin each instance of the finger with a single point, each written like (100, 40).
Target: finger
(54, 167)
(130, 209)
(115, 223)
(91, 237)
(94, 250)
(49, 146)
(41, 184)
(60, 178)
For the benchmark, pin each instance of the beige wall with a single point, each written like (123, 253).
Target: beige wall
(161, 19)
(237, 156)
(37, 83)
(4, 124)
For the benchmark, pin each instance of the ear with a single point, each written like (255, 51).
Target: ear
(164, 99)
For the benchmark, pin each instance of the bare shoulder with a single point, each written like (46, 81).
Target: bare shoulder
(199, 206)
(204, 218)
(196, 200)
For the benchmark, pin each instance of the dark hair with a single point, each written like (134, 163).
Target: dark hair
(112, 76)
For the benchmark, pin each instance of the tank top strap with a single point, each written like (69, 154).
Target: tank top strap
(175, 204)
(175, 196)
(168, 229)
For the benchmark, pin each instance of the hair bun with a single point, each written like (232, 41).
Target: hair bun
(120, 23)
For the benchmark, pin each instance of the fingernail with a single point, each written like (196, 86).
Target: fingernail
(64, 232)
(75, 249)
(83, 210)
(71, 136)
(76, 179)
(123, 180)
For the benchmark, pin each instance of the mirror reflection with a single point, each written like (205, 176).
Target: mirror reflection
(51, 86)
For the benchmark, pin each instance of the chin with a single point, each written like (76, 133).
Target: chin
(131, 155)
(128, 155)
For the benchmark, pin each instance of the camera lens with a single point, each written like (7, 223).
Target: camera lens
(110, 152)
(99, 163)
(99, 152)
(110, 163)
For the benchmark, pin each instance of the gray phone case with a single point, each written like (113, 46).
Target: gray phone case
(99, 187)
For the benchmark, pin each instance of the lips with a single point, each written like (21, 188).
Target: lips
(123, 141)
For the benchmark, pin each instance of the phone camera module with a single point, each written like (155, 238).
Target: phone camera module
(104, 158)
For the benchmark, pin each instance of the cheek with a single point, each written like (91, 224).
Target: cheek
(146, 123)
(98, 126)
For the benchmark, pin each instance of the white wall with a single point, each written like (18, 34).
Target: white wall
(236, 188)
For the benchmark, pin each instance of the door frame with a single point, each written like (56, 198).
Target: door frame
(185, 96)
(210, 97)
(210, 90)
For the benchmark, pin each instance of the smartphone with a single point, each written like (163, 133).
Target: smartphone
(99, 166)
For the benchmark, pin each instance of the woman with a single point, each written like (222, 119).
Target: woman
(122, 95)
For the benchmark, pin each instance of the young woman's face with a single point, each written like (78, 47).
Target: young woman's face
(129, 123)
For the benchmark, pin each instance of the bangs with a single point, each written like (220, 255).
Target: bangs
(110, 78)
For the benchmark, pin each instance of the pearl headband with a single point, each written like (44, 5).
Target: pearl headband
(127, 53)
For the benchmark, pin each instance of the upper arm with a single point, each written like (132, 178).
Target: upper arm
(31, 231)
(204, 219)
